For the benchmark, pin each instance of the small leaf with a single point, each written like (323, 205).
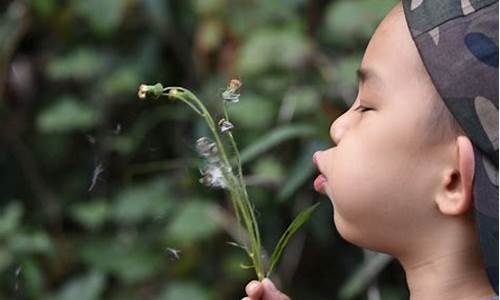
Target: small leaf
(269, 168)
(268, 49)
(253, 112)
(6, 258)
(301, 170)
(193, 222)
(346, 76)
(83, 63)
(104, 17)
(88, 287)
(142, 201)
(301, 218)
(303, 100)
(275, 137)
(245, 267)
(92, 214)
(344, 30)
(234, 244)
(30, 243)
(66, 115)
(183, 291)
(10, 217)
(365, 274)
(130, 261)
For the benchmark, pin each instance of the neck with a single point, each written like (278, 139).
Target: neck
(447, 268)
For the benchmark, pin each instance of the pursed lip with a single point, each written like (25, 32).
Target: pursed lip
(321, 178)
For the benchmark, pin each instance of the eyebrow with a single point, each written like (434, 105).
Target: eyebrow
(364, 74)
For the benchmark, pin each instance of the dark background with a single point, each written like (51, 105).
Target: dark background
(99, 190)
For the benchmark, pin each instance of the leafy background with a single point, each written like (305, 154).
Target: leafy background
(99, 191)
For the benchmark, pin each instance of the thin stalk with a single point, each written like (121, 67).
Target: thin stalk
(168, 89)
(243, 185)
(243, 204)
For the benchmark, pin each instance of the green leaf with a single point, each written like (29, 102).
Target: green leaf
(210, 35)
(269, 168)
(129, 261)
(365, 274)
(66, 115)
(124, 80)
(346, 75)
(83, 63)
(139, 202)
(30, 243)
(104, 17)
(10, 217)
(273, 48)
(43, 8)
(91, 214)
(88, 287)
(303, 100)
(193, 222)
(253, 112)
(299, 220)
(34, 277)
(274, 138)
(231, 265)
(301, 170)
(184, 290)
(6, 258)
(208, 7)
(350, 21)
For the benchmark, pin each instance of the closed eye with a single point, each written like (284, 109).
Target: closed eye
(362, 108)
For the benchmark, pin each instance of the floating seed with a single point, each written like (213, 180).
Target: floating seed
(225, 125)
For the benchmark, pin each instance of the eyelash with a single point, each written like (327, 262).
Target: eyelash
(362, 108)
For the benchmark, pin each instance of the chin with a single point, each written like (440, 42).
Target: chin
(356, 236)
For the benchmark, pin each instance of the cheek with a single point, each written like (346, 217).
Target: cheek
(373, 189)
(357, 180)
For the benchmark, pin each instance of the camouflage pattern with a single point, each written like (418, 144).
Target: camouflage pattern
(458, 43)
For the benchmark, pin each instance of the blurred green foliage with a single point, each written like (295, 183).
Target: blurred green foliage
(100, 198)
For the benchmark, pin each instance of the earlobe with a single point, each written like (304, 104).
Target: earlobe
(455, 195)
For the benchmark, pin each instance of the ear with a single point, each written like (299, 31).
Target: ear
(455, 193)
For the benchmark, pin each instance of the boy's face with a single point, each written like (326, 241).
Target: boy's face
(383, 172)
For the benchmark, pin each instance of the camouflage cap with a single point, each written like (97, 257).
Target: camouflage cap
(458, 43)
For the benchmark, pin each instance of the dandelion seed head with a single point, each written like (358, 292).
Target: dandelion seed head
(206, 147)
(225, 126)
(230, 96)
(213, 177)
(206, 180)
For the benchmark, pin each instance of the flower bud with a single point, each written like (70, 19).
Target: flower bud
(150, 90)
(231, 93)
(235, 84)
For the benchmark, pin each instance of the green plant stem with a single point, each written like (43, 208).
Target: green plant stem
(240, 175)
(182, 99)
(239, 195)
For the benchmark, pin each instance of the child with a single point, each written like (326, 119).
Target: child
(414, 172)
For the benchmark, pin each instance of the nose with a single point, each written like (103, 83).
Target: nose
(339, 127)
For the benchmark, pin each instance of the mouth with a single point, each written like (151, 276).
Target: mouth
(320, 180)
